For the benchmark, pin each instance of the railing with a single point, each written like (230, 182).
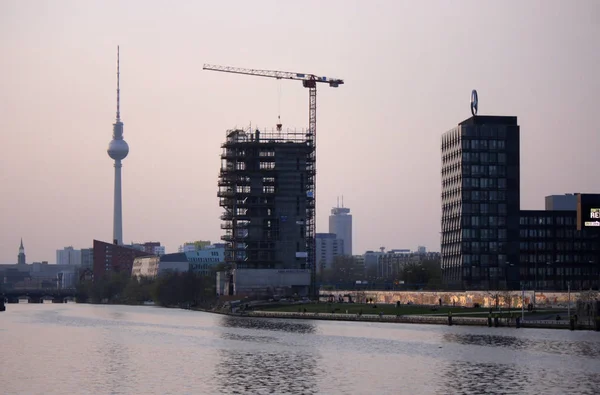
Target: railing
(412, 319)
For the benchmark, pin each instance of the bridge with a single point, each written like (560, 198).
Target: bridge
(38, 295)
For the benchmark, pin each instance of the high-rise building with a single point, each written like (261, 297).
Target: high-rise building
(21, 256)
(118, 150)
(87, 258)
(481, 203)
(328, 247)
(266, 191)
(68, 256)
(340, 223)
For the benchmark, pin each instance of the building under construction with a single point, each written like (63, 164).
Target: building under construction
(267, 191)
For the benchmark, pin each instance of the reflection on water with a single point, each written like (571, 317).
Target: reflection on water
(115, 362)
(82, 349)
(491, 378)
(261, 370)
(294, 326)
(256, 372)
(564, 347)
(483, 378)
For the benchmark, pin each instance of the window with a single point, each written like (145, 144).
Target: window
(502, 234)
(267, 165)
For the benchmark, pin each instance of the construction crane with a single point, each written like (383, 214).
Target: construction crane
(308, 81)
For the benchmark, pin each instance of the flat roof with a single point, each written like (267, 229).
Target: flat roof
(490, 120)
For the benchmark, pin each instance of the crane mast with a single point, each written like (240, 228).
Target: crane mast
(309, 81)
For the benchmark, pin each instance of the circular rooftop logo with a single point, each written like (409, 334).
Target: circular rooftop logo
(474, 102)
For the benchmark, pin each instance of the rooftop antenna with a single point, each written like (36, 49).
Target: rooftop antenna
(118, 89)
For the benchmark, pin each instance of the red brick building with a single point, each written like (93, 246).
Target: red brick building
(112, 258)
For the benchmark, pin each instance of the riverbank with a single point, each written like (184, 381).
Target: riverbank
(406, 315)
(413, 319)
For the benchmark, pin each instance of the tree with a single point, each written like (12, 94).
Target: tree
(343, 270)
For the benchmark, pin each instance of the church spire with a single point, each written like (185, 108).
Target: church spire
(21, 256)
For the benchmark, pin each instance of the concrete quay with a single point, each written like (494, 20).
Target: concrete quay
(409, 319)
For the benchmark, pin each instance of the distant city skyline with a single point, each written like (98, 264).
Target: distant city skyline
(409, 70)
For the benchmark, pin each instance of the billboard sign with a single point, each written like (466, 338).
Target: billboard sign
(588, 211)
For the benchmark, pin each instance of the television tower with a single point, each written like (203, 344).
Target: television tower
(118, 150)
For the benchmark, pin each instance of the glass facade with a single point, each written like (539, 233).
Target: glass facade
(480, 204)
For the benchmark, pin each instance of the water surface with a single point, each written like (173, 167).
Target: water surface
(88, 349)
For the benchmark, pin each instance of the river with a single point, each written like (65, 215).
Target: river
(100, 349)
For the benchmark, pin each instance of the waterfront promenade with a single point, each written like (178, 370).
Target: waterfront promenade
(414, 319)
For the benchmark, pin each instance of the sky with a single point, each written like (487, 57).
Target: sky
(409, 68)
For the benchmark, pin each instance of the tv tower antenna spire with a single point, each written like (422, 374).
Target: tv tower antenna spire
(118, 87)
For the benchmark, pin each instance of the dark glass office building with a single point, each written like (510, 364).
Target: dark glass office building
(480, 204)
(554, 253)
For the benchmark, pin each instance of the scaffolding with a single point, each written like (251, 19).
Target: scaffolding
(267, 192)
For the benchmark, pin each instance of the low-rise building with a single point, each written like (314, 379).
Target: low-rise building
(146, 266)
(113, 258)
(193, 246)
(554, 253)
(203, 261)
(173, 263)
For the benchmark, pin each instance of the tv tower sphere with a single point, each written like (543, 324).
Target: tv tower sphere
(118, 149)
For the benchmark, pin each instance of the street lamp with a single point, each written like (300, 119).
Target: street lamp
(592, 268)
(545, 271)
(506, 273)
(569, 302)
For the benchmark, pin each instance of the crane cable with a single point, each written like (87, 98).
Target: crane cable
(279, 125)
